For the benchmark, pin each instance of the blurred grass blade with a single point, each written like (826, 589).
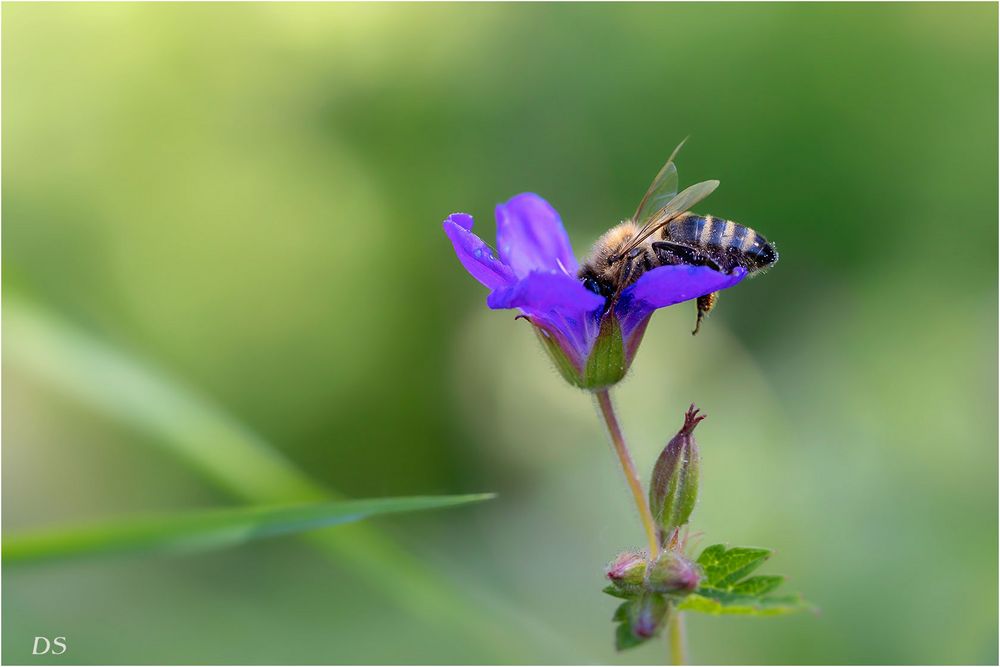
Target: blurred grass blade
(236, 459)
(209, 529)
(186, 425)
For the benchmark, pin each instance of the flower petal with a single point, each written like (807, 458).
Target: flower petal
(530, 237)
(477, 257)
(667, 285)
(558, 302)
(541, 291)
(463, 220)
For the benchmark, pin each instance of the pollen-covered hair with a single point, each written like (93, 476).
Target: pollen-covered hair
(610, 243)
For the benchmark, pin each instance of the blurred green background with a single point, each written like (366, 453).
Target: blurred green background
(246, 201)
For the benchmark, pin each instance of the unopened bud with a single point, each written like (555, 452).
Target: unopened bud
(674, 488)
(627, 571)
(648, 615)
(672, 573)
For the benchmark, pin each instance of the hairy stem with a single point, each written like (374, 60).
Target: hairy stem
(621, 450)
(675, 633)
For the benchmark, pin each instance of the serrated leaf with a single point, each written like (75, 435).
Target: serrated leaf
(718, 603)
(725, 591)
(724, 567)
(757, 586)
(711, 554)
(208, 529)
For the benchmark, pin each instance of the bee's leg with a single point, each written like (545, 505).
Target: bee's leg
(675, 253)
(635, 259)
(705, 305)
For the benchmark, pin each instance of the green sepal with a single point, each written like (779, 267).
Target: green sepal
(606, 364)
(566, 369)
(616, 592)
(604, 367)
(672, 573)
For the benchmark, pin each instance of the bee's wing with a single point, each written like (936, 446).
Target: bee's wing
(661, 190)
(679, 204)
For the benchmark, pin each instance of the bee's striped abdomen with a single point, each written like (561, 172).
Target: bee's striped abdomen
(712, 232)
(758, 251)
(728, 243)
(687, 228)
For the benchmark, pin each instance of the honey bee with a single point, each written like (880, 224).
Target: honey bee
(662, 232)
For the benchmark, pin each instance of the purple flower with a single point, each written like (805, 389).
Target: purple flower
(535, 271)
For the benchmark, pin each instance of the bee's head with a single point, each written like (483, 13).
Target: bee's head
(595, 283)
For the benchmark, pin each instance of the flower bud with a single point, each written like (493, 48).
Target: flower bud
(672, 573)
(627, 571)
(648, 614)
(674, 488)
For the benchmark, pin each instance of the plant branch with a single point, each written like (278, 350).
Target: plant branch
(628, 467)
(675, 632)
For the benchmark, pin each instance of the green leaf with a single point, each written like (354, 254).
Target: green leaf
(712, 602)
(725, 591)
(724, 567)
(210, 529)
(759, 585)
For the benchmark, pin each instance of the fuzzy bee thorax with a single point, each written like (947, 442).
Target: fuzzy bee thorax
(608, 245)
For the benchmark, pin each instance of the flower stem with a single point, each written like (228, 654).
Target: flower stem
(675, 631)
(621, 450)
